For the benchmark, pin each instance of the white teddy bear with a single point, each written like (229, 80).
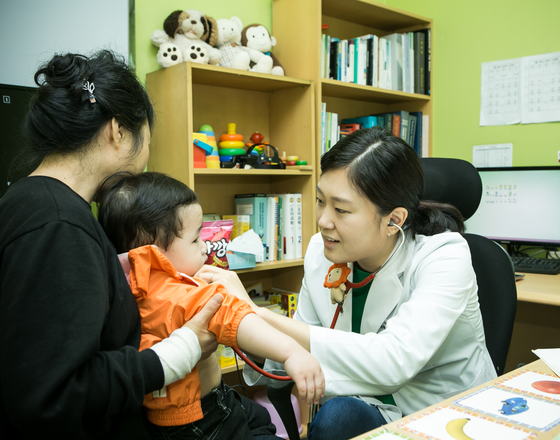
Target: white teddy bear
(169, 55)
(182, 28)
(233, 54)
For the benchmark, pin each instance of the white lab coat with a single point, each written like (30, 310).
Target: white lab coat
(422, 338)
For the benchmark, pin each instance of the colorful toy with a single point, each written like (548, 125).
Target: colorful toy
(201, 150)
(182, 28)
(211, 140)
(231, 139)
(257, 141)
(257, 37)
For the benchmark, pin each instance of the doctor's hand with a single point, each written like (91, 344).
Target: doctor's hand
(307, 374)
(199, 325)
(228, 279)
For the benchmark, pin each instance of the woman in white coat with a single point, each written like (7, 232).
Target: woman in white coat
(413, 335)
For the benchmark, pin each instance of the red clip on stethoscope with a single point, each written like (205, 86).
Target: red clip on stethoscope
(349, 286)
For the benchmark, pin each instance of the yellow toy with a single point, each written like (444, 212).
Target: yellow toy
(231, 139)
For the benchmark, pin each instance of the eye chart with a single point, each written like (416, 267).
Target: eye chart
(525, 90)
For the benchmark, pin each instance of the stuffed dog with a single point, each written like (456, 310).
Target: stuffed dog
(182, 28)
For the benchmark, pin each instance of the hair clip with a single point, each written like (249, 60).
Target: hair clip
(90, 87)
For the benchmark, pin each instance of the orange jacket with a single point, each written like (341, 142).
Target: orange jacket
(166, 300)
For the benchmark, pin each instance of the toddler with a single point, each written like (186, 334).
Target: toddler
(157, 220)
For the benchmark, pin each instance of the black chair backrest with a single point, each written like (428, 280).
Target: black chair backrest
(458, 183)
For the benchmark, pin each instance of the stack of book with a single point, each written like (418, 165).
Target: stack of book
(277, 219)
(399, 61)
(404, 124)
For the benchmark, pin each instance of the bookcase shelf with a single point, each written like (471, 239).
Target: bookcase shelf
(189, 95)
(300, 54)
(339, 89)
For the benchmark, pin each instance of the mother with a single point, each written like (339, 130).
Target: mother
(413, 335)
(69, 325)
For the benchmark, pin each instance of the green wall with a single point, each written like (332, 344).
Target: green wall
(468, 33)
(150, 15)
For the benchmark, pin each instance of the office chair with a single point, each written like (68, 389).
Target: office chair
(458, 183)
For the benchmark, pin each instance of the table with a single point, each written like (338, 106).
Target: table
(538, 365)
(541, 289)
(537, 324)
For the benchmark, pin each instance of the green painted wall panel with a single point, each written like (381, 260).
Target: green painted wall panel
(468, 33)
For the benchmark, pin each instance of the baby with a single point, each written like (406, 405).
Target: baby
(157, 220)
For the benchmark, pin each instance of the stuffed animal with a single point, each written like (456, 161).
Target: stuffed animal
(233, 53)
(257, 37)
(197, 53)
(182, 28)
(335, 280)
(169, 55)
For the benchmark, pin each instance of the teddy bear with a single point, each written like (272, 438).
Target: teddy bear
(169, 55)
(233, 53)
(182, 28)
(257, 37)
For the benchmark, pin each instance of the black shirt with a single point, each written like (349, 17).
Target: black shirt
(69, 325)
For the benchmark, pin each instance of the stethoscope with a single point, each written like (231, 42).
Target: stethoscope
(349, 285)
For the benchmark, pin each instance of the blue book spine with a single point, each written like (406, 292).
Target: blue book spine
(366, 121)
(417, 142)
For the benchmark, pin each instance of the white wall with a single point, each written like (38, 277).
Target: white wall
(31, 31)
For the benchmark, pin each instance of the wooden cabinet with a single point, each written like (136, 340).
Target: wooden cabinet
(297, 27)
(189, 95)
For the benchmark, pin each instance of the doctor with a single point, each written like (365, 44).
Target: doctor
(413, 335)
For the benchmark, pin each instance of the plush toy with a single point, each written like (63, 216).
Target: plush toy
(233, 53)
(257, 37)
(335, 280)
(197, 53)
(182, 28)
(169, 55)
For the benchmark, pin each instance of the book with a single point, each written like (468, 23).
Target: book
(403, 127)
(419, 62)
(412, 120)
(270, 241)
(334, 58)
(364, 121)
(287, 226)
(298, 231)
(253, 205)
(241, 224)
(396, 125)
(416, 143)
(395, 64)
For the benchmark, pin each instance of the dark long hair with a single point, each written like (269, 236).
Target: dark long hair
(61, 118)
(386, 170)
(136, 210)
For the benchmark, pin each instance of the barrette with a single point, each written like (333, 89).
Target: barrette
(90, 87)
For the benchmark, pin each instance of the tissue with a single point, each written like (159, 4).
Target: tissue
(244, 251)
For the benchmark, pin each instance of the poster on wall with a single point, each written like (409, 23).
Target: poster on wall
(521, 90)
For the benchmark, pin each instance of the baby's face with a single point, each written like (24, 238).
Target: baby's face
(188, 253)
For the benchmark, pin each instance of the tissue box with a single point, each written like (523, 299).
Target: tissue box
(240, 260)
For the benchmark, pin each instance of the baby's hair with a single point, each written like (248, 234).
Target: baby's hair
(137, 210)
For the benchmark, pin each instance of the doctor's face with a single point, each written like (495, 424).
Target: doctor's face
(352, 229)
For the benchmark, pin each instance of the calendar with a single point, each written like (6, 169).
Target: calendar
(522, 90)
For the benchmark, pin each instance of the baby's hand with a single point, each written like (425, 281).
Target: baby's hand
(306, 372)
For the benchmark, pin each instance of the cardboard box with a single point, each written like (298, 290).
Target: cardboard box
(240, 260)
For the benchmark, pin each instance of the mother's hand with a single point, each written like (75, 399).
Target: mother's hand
(228, 279)
(199, 325)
